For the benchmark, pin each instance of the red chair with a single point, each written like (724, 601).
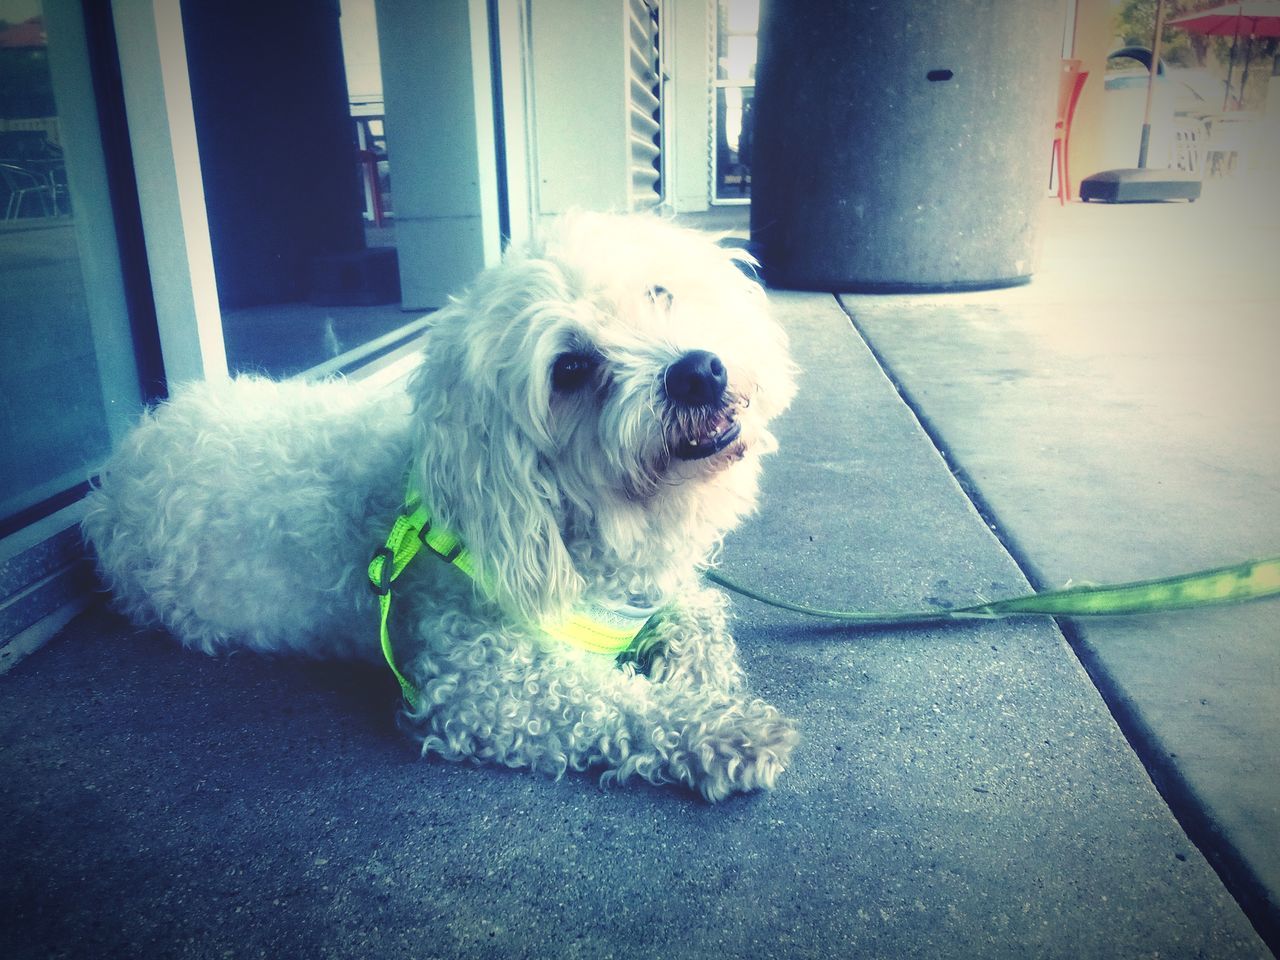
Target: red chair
(1070, 83)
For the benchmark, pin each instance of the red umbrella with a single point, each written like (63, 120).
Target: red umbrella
(1255, 18)
(1259, 18)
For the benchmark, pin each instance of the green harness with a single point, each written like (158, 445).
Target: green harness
(611, 631)
(608, 631)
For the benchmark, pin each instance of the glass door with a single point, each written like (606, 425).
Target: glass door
(69, 372)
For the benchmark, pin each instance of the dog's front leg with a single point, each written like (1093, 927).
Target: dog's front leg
(718, 743)
(508, 698)
(690, 645)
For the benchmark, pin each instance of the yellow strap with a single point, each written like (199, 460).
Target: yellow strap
(590, 627)
(598, 629)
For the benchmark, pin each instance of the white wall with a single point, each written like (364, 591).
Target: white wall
(578, 89)
(688, 124)
(579, 98)
(360, 53)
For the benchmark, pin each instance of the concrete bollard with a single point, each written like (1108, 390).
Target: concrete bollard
(903, 146)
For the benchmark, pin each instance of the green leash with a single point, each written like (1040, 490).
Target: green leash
(1251, 580)
(611, 631)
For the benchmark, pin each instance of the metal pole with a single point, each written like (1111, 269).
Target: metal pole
(1244, 76)
(1231, 64)
(1151, 85)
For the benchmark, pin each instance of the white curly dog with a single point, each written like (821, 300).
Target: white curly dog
(589, 419)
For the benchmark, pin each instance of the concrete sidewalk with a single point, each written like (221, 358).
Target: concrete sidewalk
(1117, 419)
(959, 793)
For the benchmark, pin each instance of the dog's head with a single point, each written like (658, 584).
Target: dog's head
(596, 407)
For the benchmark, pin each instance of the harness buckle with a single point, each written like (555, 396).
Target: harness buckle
(449, 557)
(382, 586)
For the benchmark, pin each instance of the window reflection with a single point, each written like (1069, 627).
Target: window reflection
(53, 419)
(33, 174)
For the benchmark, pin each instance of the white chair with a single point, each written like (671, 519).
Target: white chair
(1227, 149)
(21, 184)
(1187, 149)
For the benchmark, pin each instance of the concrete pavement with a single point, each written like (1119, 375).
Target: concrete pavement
(1120, 418)
(959, 792)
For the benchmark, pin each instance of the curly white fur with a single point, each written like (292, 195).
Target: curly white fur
(244, 513)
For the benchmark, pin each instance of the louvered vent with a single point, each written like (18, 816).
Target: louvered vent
(646, 104)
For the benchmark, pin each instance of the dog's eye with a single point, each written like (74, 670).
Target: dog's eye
(572, 370)
(660, 295)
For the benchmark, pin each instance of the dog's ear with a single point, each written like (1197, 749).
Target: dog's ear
(482, 474)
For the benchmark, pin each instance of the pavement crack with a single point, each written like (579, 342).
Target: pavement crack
(967, 484)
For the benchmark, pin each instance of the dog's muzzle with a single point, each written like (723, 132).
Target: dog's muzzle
(706, 421)
(723, 432)
(698, 379)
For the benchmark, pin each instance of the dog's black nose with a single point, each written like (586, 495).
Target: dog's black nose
(697, 379)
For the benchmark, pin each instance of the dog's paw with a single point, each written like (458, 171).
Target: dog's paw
(746, 749)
